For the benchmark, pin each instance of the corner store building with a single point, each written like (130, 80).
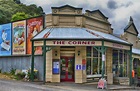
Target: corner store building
(77, 46)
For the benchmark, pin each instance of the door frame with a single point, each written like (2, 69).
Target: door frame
(73, 76)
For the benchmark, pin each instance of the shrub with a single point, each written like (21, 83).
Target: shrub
(12, 71)
(20, 76)
(138, 71)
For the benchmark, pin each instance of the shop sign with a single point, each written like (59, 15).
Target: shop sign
(84, 67)
(102, 83)
(78, 67)
(117, 45)
(83, 62)
(74, 42)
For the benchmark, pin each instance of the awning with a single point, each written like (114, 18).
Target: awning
(76, 33)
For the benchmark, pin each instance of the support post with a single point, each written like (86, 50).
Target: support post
(32, 62)
(44, 56)
(130, 65)
(103, 58)
(102, 82)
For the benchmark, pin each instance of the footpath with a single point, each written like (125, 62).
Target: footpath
(67, 86)
(71, 86)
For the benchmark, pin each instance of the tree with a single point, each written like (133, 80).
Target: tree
(8, 8)
(19, 16)
(2, 18)
(17, 1)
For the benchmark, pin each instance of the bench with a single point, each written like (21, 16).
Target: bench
(95, 76)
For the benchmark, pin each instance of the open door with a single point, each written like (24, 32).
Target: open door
(67, 69)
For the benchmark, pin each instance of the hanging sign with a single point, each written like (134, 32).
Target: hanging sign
(103, 57)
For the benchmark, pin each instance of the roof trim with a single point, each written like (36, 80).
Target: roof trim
(136, 54)
(67, 14)
(97, 20)
(65, 6)
(97, 11)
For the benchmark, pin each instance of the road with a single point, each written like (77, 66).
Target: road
(8, 85)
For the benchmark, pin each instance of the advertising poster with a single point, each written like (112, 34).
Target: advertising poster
(56, 67)
(5, 39)
(19, 37)
(34, 26)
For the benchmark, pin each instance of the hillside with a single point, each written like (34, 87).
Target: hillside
(8, 8)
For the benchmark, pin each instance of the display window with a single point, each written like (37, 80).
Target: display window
(94, 62)
(120, 62)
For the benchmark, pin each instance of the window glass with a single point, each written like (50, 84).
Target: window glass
(88, 66)
(93, 61)
(95, 66)
(95, 53)
(88, 51)
(119, 66)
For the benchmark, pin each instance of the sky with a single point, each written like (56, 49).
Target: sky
(117, 11)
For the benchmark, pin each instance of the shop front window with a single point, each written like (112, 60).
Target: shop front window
(136, 65)
(120, 58)
(93, 65)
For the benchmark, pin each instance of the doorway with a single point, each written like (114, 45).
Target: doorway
(67, 68)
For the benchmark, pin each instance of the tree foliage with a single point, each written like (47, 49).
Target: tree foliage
(11, 8)
(19, 16)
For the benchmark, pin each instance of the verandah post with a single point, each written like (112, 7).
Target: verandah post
(32, 62)
(44, 55)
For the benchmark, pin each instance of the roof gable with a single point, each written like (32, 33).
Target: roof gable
(97, 13)
(68, 6)
(66, 9)
(131, 28)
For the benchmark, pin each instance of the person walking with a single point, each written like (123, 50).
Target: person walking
(133, 77)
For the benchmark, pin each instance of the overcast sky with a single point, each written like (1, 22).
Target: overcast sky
(117, 11)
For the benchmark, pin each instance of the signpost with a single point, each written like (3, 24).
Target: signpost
(102, 83)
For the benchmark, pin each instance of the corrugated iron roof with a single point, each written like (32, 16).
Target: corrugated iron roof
(136, 51)
(75, 33)
(66, 33)
(108, 36)
(42, 33)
